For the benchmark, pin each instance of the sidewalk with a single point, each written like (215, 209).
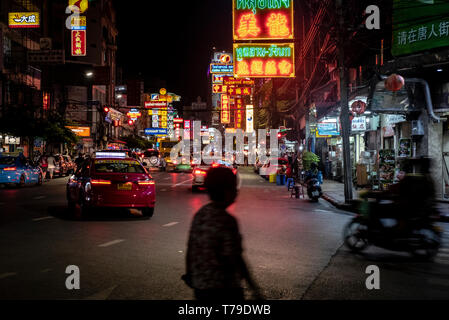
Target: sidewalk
(334, 193)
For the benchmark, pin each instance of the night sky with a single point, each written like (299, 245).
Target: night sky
(173, 41)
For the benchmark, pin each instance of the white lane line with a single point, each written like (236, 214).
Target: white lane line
(170, 224)
(39, 197)
(43, 218)
(110, 243)
(182, 182)
(7, 274)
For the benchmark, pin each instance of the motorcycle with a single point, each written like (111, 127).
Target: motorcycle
(422, 239)
(314, 189)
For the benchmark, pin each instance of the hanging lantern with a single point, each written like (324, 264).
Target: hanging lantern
(394, 82)
(358, 107)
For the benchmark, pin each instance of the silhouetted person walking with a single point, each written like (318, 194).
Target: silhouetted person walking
(214, 262)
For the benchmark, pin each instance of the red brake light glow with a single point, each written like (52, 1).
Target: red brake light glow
(201, 172)
(215, 165)
(10, 169)
(146, 183)
(105, 182)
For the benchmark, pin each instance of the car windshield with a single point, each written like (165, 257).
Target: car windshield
(7, 160)
(118, 166)
(149, 154)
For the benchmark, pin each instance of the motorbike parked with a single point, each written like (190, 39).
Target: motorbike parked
(314, 189)
(421, 237)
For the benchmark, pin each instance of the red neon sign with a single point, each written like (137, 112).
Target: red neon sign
(225, 109)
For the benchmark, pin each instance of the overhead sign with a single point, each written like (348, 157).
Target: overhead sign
(80, 131)
(419, 25)
(78, 43)
(231, 81)
(78, 23)
(82, 5)
(221, 68)
(23, 20)
(264, 60)
(262, 19)
(225, 109)
(240, 91)
(155, 131)
(155, 104)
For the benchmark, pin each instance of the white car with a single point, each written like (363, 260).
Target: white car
(151, 159)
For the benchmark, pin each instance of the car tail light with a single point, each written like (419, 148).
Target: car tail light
(200, 172)
(10, 169)
(99, 181)
(146, 182)
(215, 165)
(234, 171)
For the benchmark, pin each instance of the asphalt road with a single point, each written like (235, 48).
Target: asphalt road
(294, 247)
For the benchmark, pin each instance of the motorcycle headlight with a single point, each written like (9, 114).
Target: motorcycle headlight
(88, 187)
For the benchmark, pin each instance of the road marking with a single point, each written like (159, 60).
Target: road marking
(182, 182)
(102, 295)
(170, 224)
(326, 211)
(110, 243)
(43, 218)
(39, 197)
(7, 274)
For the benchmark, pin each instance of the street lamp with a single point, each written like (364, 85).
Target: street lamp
(89, 74)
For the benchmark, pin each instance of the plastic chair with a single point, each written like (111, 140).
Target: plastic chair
(290, 183)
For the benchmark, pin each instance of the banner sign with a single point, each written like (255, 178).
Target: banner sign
(240, 91)
(78, 43)
(225, 109)
(221, 68)
(419, 25)
(238, 113)
(155, 131)
(231, 81)
(264, 60)
(249, 118)
(262, 19)
(155, 104)
(23, 20)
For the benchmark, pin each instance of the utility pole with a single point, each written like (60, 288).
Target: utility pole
(344, 115)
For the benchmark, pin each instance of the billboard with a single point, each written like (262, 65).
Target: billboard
(80, 131)
(23, 19)
(419, 25)
(265, 60)
(262, 20)
(78, 43)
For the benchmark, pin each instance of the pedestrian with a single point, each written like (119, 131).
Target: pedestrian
(79, 160)
(43, 162)
(51, 165)
(214, 263)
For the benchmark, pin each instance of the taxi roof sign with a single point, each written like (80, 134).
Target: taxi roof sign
(106, 154)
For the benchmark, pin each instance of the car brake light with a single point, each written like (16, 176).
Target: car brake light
(215, 165)
(101, 182)
(146, 183)
(10, 169)
(201, 172)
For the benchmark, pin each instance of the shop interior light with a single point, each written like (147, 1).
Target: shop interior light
(439, 70)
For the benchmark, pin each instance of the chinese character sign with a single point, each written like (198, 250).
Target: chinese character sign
(262, 19)
(238, 113)
(419, 27)
(23, 20)
(78, 43)
(264, 60)
(225, 109)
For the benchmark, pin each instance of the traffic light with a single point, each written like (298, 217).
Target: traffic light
(106, 109)
(279, 135)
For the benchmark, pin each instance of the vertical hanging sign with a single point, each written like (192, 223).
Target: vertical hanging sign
(78, 43)
(225, 109)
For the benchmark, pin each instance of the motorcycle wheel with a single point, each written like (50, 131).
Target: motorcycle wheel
(431, 242)
(353, 235)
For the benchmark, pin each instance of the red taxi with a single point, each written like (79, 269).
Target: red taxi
(113, 180)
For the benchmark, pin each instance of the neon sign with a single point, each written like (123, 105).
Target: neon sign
(221, 68)
(225, 109)
(262, 19)
(264, 60)
(78, 43)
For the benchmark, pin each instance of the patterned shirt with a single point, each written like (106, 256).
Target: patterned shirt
(214, 235)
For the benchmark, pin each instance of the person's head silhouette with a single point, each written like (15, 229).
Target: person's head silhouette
(221, 184)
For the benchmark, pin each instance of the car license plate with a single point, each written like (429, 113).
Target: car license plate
(315, 193)
(125, 186)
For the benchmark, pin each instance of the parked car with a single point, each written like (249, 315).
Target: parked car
(268, 168)
(19, 171)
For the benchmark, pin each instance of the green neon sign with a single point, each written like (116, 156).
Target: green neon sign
(254, 5)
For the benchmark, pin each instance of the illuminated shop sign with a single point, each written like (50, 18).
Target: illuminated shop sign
(155, 104)
(82, 5)
(78, 23)
(23, 20)
(264, 60)
(240, 91)
(221, 68)
(225, 109)
(231, 81)
(218, 88)
(249, 118)
(80, 131)
(155, 131)
(78, 43)
(239, 113)
(262, 19)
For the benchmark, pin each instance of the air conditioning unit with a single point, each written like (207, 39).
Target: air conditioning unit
(417, 128)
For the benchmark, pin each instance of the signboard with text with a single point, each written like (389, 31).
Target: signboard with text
(231, 81)
(155, 104)
(240, 91)
(78, 43)
(262, 20)
(23, 20)
(264, 60)
(225, 109)
(155, 131)
(221, 68)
